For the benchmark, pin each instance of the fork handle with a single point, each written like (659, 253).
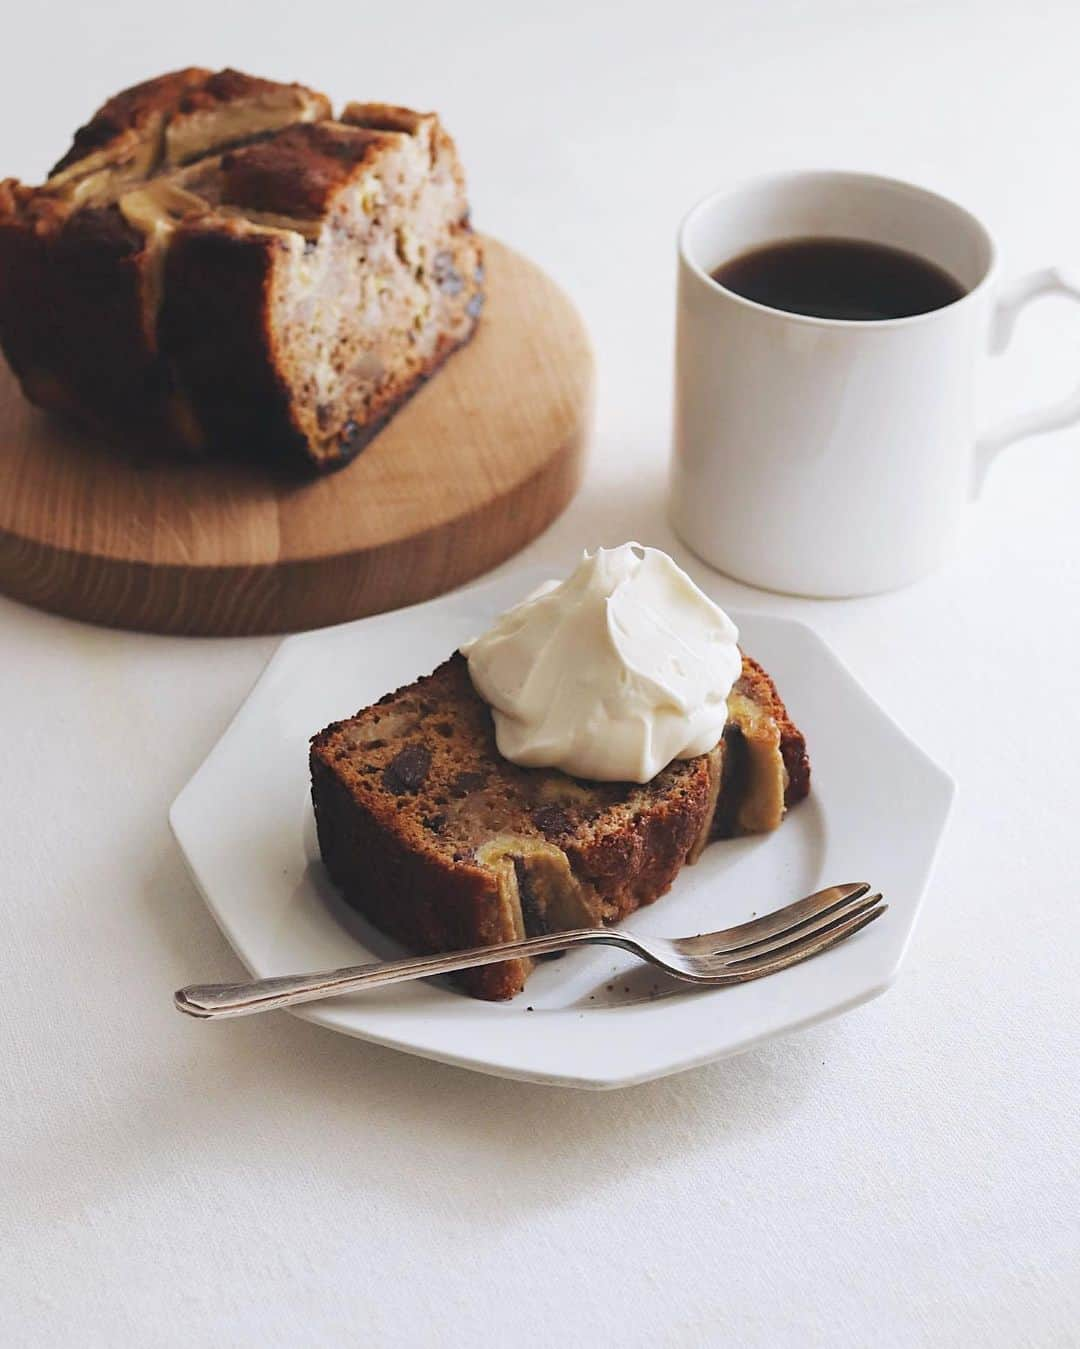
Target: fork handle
(286, 990)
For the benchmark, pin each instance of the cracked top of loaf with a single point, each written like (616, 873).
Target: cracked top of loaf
(223, 138)
(177, 117)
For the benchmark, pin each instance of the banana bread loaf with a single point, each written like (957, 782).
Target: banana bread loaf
(219, 267)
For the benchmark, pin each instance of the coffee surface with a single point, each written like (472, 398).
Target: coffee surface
(839, 279)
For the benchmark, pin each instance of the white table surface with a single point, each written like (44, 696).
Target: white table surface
(906, 1175)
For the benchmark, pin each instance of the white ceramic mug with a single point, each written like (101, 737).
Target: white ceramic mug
(833, 457)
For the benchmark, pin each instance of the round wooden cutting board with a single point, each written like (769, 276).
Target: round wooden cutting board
(482, 459)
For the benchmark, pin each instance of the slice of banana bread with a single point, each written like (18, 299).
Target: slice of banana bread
(444, 844)
(218, 267)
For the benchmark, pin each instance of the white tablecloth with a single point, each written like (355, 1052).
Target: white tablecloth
(906, 1175)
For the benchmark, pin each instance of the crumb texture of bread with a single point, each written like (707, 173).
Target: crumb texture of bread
(444, 845)
(217, 267)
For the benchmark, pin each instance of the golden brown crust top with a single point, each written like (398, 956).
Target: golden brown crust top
(230, 86)
(299, 171)
(177, 118)
(283, 154)
(232, 108)
(386, 117)
(163, 129)
(135, 111)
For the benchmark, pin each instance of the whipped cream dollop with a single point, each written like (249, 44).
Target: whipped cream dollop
(612, 673)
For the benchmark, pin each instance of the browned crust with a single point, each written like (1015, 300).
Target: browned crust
(760, 687)
(385, 117)
(135, 110)
(73, 301)
(138, 113)
(300, 171)
(233, 86)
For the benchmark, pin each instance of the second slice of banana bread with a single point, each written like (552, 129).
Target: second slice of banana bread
(444, 844)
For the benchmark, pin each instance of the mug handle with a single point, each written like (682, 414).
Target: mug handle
(1013, 298)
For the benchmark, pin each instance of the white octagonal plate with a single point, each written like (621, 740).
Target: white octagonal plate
(595, 1018)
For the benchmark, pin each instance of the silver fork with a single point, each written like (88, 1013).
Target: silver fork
(731, 956)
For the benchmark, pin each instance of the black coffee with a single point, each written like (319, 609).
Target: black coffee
(839, 279)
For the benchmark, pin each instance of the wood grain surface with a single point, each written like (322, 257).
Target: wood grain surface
(485, 456)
